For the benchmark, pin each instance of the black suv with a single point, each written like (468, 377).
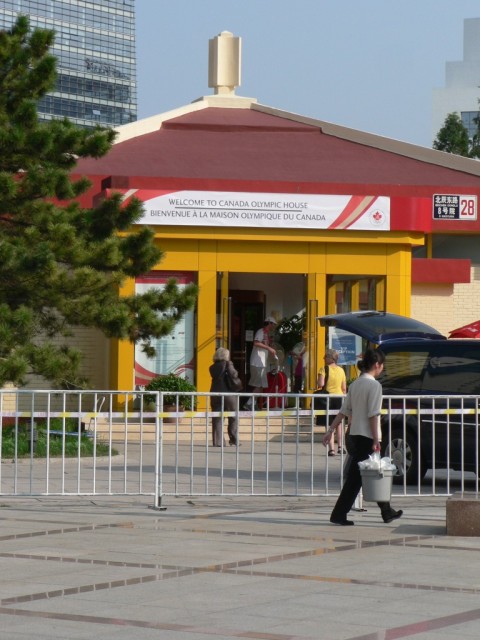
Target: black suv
(431, 432)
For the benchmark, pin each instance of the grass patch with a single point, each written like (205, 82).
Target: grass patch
(74, 445)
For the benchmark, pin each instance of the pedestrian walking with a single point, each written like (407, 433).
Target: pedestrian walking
(362, 405)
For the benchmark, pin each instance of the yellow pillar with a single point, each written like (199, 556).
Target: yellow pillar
(331, 298)
(316, 297)
(225, 311)
(206, 312)
(429, 244)
(398, 280)
(380, 295)
(355, 294)
(206, 326)
(122, 354)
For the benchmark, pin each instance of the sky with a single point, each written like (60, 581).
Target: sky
(366, 64)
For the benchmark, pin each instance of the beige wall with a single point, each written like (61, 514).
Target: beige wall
(95, 359)
(446, 306)
(96, 353)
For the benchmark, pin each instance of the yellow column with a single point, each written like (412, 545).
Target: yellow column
(225, 311)
(429, 243)
(122, 354)
(332, 298)
(316, 297)
(355, 293)
(206, 312)
(398, 280)
(206, 329)
(380, 295)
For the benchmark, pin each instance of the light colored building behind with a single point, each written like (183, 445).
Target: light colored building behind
(462, 83)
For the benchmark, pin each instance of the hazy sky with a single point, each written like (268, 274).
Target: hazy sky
(366, 64)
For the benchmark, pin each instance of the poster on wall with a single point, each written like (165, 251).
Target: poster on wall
(175, 352)
(348, 345)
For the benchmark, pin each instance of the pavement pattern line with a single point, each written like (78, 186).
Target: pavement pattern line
(394, 633)
(54, 532)
(235, 568)
(423, 626)
(182, 628)
(335, 543)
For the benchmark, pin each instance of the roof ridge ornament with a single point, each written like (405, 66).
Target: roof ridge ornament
(224, 63)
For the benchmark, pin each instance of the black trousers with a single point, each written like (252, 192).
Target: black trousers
(229, 404)
(359, 448)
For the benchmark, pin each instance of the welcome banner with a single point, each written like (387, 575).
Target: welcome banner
(266, 210)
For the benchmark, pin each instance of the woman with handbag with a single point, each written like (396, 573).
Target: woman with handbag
(332, 380)
(224, 380)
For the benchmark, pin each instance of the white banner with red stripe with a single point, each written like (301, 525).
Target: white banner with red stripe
(267, 210)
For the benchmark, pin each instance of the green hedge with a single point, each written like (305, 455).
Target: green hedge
(72, 445)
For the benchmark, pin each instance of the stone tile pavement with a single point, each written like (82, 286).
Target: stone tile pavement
(243, 567)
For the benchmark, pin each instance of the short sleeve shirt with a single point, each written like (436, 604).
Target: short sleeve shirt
(336, 376)
(362, 402)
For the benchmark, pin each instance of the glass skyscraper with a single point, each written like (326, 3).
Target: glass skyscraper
(95, 48)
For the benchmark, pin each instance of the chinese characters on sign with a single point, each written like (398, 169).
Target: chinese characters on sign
(454, 207)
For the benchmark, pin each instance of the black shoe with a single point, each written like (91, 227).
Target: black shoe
(392, 515)
(342, 523)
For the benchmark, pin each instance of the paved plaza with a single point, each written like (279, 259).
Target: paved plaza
(271, 568)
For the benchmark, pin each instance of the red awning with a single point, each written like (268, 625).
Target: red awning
(471, 330)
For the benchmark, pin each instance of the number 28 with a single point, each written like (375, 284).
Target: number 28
(468, 208)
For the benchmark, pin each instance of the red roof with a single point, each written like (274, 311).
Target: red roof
(224, 144)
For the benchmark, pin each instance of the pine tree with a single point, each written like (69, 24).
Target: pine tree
(61, 265)
(453, 136)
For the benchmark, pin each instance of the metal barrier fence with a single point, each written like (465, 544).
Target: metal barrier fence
(115, 443)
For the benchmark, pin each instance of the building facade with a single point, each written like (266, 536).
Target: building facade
(276, 214)
(95, 48)
(461, 92)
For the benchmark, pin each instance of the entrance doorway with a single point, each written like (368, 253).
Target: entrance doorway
(247, 316)
(244, 301)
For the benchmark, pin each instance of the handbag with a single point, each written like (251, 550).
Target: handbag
(320, 404)
(232, 383)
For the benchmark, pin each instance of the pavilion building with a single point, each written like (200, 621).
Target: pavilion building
(274, 213)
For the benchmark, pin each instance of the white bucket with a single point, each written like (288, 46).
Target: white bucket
(377, 484)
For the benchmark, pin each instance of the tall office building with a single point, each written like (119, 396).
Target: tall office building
(461, 93)
(95, 48)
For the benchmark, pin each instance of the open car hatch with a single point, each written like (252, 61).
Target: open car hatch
(380, 326)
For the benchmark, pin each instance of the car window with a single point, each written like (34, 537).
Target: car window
(404, 370)
(456, 371)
